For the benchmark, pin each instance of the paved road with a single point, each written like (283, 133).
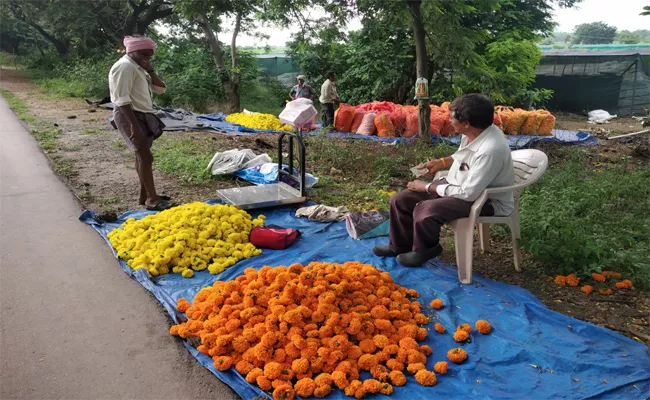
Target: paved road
(72, 324)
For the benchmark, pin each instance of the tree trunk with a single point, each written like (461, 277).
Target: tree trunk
(231, 89)
(152, 14)
(40, 48)
(424, 110)
(61, 46)
(234, 100)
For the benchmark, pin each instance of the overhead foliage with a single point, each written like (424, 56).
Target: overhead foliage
(472, 46)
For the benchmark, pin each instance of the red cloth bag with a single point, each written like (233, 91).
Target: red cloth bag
(273, 237)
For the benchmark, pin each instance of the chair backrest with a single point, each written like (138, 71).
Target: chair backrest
(530, 165)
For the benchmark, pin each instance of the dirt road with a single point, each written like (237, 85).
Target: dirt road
(72, 324)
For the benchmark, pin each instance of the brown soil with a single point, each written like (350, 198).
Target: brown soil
(104, 178)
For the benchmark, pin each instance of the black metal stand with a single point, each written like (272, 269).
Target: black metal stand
(300, 179)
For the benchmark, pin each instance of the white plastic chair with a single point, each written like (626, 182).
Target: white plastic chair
(529, 166)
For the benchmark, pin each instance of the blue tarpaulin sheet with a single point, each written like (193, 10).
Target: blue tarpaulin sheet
(516, 141)
(576, 360)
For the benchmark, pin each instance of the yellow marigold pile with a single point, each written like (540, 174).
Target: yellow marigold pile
(258, 121)
(188, 238)
(304, 330)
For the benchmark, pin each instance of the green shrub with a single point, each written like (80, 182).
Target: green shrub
(586, 220)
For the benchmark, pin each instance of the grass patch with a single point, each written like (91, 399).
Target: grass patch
(111, 200)
(63, 166)
(92, 131)
(118, 144)
(59, 87)
(75, 147)
(46, 137)
(581, 219)
(186, 159)
(351, 173)
(18, 106)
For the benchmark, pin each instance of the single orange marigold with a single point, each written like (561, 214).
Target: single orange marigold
(457, 355)
(425, 378)
(283, 392)
(305, 387)
(586, 289)
(397, 378)
(598, 277)
(606, 292)
(483, 326)
(441, 367)
(560, 280)
(439, 328)
(461, 336)
(437, 304)
(465, 327)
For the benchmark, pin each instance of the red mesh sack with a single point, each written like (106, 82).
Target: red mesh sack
(437, 122)
(384, 127)
(343, 118)
(412, 127)
(447, 129)
(398, 118)
(367, 126)
(356, 121)
(497, 121)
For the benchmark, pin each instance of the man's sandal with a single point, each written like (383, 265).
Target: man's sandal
(161, 197)
(162, 205)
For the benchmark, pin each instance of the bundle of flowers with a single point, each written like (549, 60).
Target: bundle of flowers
(187, 238)
(258, 121)
(303, 330)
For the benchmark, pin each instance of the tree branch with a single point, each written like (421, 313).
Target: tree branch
(233, 43)
(215, 47)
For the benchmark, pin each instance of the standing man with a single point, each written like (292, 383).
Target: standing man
(302, 90)
(482, 161)
(328, 97)
(131, 81)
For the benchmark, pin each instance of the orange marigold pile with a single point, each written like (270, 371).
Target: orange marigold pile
(304, 330)
(625, 284)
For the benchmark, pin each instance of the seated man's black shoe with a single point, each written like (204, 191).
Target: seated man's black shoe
(413, 259)
(383, 251)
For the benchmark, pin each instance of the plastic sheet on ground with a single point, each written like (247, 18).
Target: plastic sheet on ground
(516, 141)
(577, 360)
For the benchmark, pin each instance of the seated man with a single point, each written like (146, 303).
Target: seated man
(483, 160)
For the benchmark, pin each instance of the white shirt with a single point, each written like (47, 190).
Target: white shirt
(328, 92)
(129, 83)
(486, 163)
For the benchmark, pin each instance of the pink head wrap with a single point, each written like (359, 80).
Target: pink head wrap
(133, 43)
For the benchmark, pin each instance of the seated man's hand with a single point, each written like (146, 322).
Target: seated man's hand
(419, 186)
(433, 166)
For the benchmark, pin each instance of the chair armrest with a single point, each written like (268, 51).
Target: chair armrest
(478, 205)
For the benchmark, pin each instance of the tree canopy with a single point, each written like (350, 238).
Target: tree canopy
(593, 33)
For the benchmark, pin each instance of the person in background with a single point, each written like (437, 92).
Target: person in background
(329, 97)
(482, 161)
(131, 81)
(302, 90)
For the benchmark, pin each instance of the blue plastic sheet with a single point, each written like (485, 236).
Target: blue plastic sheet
(255, 175)
(516, 141)
(586, 361)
